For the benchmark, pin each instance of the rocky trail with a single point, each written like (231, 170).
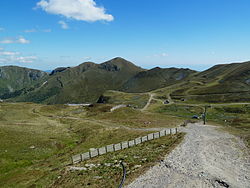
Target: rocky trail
(206, 158)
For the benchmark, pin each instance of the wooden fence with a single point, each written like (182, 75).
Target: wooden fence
(123, 145)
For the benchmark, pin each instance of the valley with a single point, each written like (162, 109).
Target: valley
(40, 132)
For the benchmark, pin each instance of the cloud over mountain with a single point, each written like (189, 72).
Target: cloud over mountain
(83, 10)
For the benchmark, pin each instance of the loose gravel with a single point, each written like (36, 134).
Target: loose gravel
(207, 158)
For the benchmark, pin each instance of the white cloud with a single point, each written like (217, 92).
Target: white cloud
(63, 24)
(30, 31)
(1, 29)
(20, 40)
(7, 41)
(3, 60)
(27, 59)
(164, 54)
(15, 57)
(83, 10)
(4, 53)
(37, 30)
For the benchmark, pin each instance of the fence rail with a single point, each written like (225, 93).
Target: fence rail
(120, 146)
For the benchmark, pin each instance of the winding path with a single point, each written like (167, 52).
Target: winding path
(207, 158)
(151, 96)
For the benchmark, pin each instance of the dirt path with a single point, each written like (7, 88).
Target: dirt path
(151, 96)
(206, 158)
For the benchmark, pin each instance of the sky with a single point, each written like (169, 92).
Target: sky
(196, 34)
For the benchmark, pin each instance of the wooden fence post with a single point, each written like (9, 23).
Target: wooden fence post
(98, 152)
(170, 131)
(121, 145)
(89, 154)
(175, 130)
(81, 157)
(114, 147)
(159, 134)
(106, 149)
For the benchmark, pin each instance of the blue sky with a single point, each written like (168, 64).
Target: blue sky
(197, 34)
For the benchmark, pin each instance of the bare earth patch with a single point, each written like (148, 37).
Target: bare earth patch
(207, 157)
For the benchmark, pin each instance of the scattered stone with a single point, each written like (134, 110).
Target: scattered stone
(137, 166)
(32, 147)
(136, 157)
(107, 164)
(222, 183)
(90, 165)
(97, 177)
(144, 159)
(73, 168)
(59, 177)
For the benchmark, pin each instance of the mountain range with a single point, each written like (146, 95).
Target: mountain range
(86, 82)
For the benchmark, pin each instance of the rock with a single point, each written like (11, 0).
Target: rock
(107, 164)
(137, 166)
(32, 147)
(73, 168)
(90, 165)
(97, 177)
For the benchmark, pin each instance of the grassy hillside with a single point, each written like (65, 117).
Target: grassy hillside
(221, 83)
(13, 78)
(137, 100)
(37, 142)
(156, 78)
(84, 83)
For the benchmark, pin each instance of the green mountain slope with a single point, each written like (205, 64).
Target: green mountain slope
(13, 78)
(84, 83)
(156, 78)
(221, 83)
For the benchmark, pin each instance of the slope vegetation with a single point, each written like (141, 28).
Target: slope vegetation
(84, 83)
(221, 83)
(156, 78)
(13, 79)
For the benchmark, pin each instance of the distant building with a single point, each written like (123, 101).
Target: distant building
(166, 102)
(88, 105)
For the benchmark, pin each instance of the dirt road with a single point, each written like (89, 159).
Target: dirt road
(151, 96)
(207, 158)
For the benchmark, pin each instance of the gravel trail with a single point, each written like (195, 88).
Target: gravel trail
(207, 158)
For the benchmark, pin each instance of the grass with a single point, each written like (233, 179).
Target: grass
(137, 100)
(234, 119)
(37, 141)
(182, 111)
(108, 173)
